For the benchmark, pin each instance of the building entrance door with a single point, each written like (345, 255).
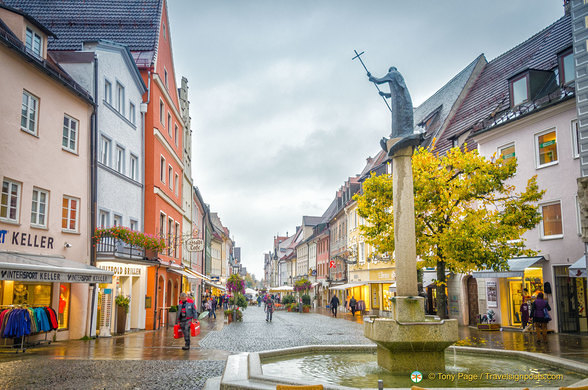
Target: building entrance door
(567, 303)
(473, 310)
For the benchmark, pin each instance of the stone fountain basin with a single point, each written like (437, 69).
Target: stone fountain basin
(244, 371)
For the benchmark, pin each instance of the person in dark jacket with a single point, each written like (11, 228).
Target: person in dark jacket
(524, 313)
(538, 311)
(186, 314)
(334, 304)
(352, 305)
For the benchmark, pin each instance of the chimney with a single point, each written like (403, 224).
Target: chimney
(567, 7)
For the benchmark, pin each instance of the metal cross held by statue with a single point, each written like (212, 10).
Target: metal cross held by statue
(358, 56)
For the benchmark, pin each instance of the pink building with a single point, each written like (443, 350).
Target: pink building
(45, 169)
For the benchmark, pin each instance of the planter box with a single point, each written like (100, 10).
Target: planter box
(489, 326)
(306, 310)
(121, 320)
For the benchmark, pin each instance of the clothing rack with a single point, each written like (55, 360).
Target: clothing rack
(21, 343)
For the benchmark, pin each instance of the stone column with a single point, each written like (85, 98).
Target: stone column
(404, 231)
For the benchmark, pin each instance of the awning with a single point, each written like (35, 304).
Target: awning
(516, 269)
(182, 272)
(282, 288)
(313, 285)
(55, 269)
(578, 269)
(215, 285)
(348, 285)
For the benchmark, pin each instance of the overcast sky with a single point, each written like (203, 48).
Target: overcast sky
(281, 115)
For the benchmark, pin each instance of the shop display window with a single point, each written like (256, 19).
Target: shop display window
(32, 294)
(63, 310)
(387, 295)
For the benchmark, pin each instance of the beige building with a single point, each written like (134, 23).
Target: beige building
(45, 248)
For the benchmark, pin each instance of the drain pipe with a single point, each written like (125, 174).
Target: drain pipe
(93, 190)
(156, 293)
(144, 106)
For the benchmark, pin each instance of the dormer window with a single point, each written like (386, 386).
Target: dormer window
(567, 68)
(34, 43)
(519, 90)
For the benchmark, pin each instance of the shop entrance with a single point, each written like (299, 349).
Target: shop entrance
(567, 306)
(473, 310)
(515, 291)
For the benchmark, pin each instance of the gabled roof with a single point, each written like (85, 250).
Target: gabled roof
(311, 221)
(134, 23)
(490, 92)
(32, 20)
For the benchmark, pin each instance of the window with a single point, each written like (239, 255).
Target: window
(70, 134)
(29, 113)
(120, 98)
(546, 146)
(165, 77)
(134, 225)
(161, 225)
(162, 170)
(34, 43)
(117, 220)
(108, 91)
(39, 208)
(170, 225)
(120, 159)
(575, 139)
(507, 152)
(176, 239)
(519, 91)
(164, 35)
(567, 69)
(104, 150)
(362, 252)
(170, 176)
(10, 201)
(177, 184)
(69, 216)
(63, 312)
(169, 124)
(176, 134)
(551, 225)
(132, 113)
(134, 164)
(104, 219)
(161, 112)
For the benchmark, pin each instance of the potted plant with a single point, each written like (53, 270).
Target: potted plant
(306, 308)
(122, 306)
(172, 314)
(229, 315)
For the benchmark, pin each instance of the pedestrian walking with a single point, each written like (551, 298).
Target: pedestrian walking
(186, 314)
(225, 301)
(334, 304)
(352, 305)
(258, 301)
(540, 313)
(269, 309)
(524, 313)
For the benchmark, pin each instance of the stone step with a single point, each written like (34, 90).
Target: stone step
(212, 383)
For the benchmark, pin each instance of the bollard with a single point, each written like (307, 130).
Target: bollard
(380, 384)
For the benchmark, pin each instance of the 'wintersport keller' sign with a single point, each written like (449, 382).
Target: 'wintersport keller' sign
(59, 277)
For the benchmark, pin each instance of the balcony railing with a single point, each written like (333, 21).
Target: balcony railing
(110, 246)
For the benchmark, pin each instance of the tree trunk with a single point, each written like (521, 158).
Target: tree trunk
(441, 288)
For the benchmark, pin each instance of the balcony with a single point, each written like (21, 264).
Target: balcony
(115, 247)
(123, 243)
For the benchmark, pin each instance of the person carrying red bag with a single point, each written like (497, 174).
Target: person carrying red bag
(186, 315)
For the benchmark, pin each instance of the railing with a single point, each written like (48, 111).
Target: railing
(118, 248)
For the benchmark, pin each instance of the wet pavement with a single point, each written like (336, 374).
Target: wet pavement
(155, 360)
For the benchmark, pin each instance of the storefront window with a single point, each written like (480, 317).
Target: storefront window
(32, 294)
(387, 295)
(63, 312)
(533, 283)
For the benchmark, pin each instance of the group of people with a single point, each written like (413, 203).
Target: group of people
(538, 313)
(334, 304)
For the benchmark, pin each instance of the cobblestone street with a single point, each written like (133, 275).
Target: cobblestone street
(155, 360)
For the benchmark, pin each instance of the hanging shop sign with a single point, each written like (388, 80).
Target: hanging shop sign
(195, 245)
(26, 239)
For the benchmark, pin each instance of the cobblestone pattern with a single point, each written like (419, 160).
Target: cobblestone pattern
(108, 374)
(286, 330)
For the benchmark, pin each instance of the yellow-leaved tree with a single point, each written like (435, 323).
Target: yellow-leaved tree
(467, 216)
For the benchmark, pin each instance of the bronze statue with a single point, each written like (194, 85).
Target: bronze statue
(402, 113)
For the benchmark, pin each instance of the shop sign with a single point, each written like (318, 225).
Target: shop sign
(44, 276)
(195, 245)
(26, 239)
(491, 294)
(122, 270)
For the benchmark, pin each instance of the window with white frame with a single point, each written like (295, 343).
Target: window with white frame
(10, 201)
(70, 214)
(519, 90)
(176, 239)
(161, 112)
(567, 67)
(170, 176)
(105, 145)
(69, 140)
(546, 148)
(169, 124)
(120, 159)
(507, 152)
(134, 225)
(39, 208)
(170, 226)
(103, 219)
(132, 113)
(117, 220)
(161, 225)
(551, 224)
(176, 134)
(177, 183)
(120, 98)
(362, 252)
(162, 169)
(575, 139)
(34, 43)
(29, 113)
(108, 91)
(134, 167)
